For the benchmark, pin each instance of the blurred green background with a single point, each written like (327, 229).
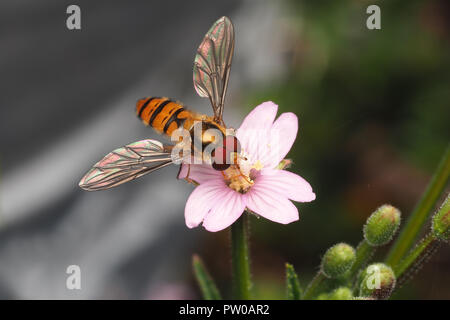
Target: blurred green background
(373, 108)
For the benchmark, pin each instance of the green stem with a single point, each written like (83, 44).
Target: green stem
(421, 212)
(426, 247)
(315, 286)
(364, 252)
(240, 258)
(414, 256)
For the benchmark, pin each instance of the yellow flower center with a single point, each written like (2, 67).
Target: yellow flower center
(238, 176)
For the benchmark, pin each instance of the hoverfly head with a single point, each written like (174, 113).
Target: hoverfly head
(226, 154)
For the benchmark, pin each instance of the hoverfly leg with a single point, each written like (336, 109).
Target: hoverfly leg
(245, 178)
(189, 180)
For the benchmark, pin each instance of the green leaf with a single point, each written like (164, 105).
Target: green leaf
(206, 283)
(293, 289)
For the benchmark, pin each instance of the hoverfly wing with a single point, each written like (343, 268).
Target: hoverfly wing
(125, 164)
(212, 64)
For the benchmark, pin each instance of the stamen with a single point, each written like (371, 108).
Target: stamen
(258, 165)
(236, 179)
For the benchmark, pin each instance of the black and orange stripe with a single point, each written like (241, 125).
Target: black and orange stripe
(163, 114)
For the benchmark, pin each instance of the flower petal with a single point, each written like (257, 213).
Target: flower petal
(200, 173)
(253, 134)
(282, 137)
(227, 210)
(261, 116)
(271, 205)
(287, 183)
(202, 200)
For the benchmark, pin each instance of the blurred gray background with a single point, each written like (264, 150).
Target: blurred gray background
(68, 98)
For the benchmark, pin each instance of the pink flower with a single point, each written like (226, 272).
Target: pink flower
(222, 196)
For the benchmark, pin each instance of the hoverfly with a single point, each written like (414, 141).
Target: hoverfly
(211, 74)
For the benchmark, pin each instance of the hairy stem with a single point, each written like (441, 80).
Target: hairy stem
(315, 286)
(426, 247)
(412, 263)
(421, 212)
(364, 252)
(413, 255)
(240, 258)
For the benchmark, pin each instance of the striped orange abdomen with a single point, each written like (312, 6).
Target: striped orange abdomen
(163, 114)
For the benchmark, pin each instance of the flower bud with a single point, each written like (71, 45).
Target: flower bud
(382, 225)
(338, 260)
(341, 293)
(362, 298)
(441, 222)
(284, 164)
(322, 296)
(377, 281)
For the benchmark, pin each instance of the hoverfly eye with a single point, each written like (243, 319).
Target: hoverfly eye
(220, 167)
(219, 159)
(232, 144)
(223, 156)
